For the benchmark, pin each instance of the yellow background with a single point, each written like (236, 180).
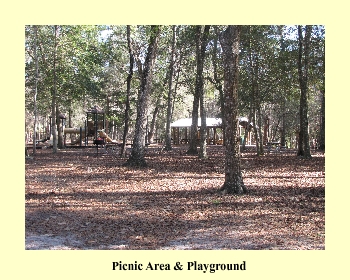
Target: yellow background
(16, 263)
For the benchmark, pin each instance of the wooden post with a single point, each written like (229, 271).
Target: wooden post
(81, 136)
(96, 124)
(178, 135)
(86, 132)
(64, 138)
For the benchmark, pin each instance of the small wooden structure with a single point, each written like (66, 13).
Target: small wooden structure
(181, 130)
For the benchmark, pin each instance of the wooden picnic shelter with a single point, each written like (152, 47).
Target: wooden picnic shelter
(181, 130)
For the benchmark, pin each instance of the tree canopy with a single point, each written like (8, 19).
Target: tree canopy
(69, 69)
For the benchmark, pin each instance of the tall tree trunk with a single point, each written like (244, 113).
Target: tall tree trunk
(256, 134)
(201, 38)
(218, 81)
(70, 119)
(115, 128)
(60, 143)
(303, 65)
(322, 139)
(128, 87)
(230, 40)
(137, 157)
(257, 124)
(108, 113)
(285, 88)
(153, 124)
(36, 87)
(54, 94)
(254, 68)
(261, 140)
(246, 130)
(203, 129)
(170, 93)
(194, 126)
(267, 134)
(283, 129)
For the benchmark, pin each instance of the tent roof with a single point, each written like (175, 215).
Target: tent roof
(211, 122)
(188, 122)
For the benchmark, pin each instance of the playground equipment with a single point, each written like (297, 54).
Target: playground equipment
(94, 128)
(95, 120)
(104, 135)
(72, 130)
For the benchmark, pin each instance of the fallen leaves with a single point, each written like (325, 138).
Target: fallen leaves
(174, 203)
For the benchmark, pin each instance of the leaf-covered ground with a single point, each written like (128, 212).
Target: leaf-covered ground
(77, 199)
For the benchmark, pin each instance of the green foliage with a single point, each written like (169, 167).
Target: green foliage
(93, 62)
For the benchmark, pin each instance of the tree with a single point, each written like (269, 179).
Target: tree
(128, 86)
(37, 79)
(54, 92)
(203, 129)
(201, 41)
(81, 68)
(170, 93)
(230, 40)
(66, 61)
(303, 68)
(217, 79)
(322, 138)
(137, 154)
(260, 77)
(255, 48)
(36, 86)
(317, 64)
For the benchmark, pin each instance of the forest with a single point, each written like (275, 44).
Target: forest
(102, 135)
